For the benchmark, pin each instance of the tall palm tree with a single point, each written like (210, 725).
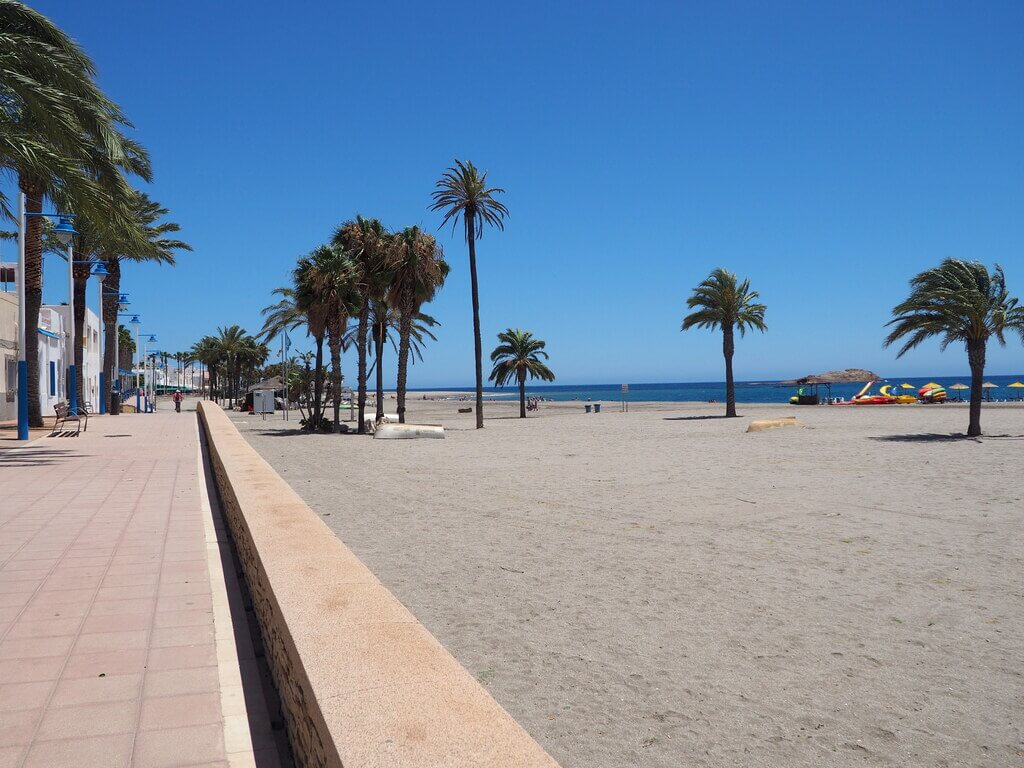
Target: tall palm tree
(373, 252)
(959, 301)
(147, 239)
(60, 135)
(519, 356)
(721, 301)
(327, 278)
(231, 342)
(462, 192)
(420, 272)
(207, 352)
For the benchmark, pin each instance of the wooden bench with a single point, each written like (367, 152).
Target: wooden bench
(64, 415)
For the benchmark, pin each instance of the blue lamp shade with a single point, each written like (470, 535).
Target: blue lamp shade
(99, 269)
(65, 230)
(152, 340)
(135, 320)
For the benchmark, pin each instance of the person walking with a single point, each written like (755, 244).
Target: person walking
(177, 398)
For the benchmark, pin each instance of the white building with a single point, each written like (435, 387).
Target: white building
(52, 331)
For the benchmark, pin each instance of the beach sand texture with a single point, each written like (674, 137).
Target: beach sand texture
(660, 588)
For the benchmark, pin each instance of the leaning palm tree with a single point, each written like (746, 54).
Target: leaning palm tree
(519, 357)
(959, 301)
(722, 302)
(144, 239)
(462, 192)
(60, 135)
(421, 271)
(373, 252)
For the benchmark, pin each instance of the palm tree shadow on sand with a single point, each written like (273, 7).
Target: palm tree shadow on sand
(700, 418)
(935, 437)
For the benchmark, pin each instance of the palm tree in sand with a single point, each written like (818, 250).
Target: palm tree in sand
(519, 356)
(721, 301)
(420, 273)
(373, 250)
(959, 301)
(330, 276)
(462, 192)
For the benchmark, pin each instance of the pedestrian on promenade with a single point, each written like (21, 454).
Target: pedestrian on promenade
(177, 398)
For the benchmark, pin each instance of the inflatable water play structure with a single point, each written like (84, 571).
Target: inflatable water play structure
(886, 391)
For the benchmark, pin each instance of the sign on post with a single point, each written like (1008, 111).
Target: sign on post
(625, 397)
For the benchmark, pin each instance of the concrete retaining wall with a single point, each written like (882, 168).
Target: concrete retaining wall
(361, 681)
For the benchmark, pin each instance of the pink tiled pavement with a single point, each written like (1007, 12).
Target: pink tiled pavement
(108, 654)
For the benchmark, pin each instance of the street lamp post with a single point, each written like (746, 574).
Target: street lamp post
(64, 232)
(144, 350)
(101, 273)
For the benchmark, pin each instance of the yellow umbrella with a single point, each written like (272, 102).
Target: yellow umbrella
(932, 385)
(907, 386)
(1016, 385)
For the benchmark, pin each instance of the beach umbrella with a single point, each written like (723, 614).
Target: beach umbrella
(904, 385)
(931, 385)
(959, 388)
(989, 386)
(1016, 385)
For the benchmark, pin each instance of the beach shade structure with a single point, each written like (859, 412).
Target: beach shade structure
(959, 388)
(988, 386)
(904, 385)
(1016, 385)
(931, 385)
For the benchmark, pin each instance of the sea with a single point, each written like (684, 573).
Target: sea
(746, 391)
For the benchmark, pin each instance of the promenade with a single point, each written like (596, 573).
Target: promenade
(123, 637)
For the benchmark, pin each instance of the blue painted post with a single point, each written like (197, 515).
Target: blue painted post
(23, 400)
(72, 391)
(103, 396)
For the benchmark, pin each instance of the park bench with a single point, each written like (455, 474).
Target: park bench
(64, 415)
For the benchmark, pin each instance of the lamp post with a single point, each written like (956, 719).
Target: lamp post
(100, 270)
(64, 232)
(145, 345)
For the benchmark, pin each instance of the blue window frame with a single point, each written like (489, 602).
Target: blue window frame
(53, 379)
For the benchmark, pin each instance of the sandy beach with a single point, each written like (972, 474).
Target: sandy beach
(660, 588)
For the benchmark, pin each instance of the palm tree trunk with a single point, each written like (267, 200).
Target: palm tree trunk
(334, 342)
(33, 295)
(364, 319)
(379, 352)
(318, 383)
(81, 281)
(522, 395)
(404, 332)
(111, 285)
(477, 347)
(728, 347)
(976, 359)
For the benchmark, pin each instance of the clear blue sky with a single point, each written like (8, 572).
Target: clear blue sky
(826, 150)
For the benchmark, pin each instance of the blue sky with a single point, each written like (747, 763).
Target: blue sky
(826, 150)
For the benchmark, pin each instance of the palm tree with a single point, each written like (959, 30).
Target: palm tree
(327, 278)
(723, 302)
(959, 301)
(155, 247)
(59, 135)
(419, 275)
(519, 357)
(462, 192)
(373, 252)
(231, 342)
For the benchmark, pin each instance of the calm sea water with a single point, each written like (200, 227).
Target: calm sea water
(746, 391)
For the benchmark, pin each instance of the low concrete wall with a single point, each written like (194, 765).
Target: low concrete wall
(361, 681)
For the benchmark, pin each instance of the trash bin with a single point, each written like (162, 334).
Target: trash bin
(597, 407)
(587, 408)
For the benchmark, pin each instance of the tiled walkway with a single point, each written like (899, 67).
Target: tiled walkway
(117, 642)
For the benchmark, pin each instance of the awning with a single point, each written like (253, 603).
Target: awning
(48, 334)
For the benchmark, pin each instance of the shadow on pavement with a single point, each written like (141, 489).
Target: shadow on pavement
(36, 457)
(935, 437)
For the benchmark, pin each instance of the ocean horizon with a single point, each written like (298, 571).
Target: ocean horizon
(704, 391)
